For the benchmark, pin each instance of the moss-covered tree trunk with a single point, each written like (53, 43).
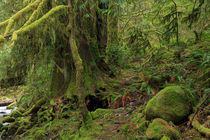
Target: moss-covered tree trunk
(77, 36)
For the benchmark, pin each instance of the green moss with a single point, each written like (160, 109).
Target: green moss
(165, 138)
(37, 13)
(45, 114)
(101, 113)
(8, 119)
(40, 135)
(159, 128)
(18, 15)
(173, 103)
(2, 39)
(141, 127)
(43, 20)
(4, 24)
(18, 126)
(125, 128)
(16, 114)
(35, 107)
(201, 128)
(12, 105)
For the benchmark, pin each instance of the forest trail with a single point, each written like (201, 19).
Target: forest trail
(129, 102)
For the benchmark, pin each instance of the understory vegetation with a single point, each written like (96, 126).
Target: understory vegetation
(104, 69)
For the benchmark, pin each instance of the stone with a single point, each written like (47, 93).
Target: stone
(173, 103)
(160, 128)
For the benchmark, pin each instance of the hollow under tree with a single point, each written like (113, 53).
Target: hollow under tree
(75, 28)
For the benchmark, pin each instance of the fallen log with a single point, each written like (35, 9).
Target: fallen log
(6, 102)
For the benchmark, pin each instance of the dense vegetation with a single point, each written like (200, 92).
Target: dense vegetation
(105, 69)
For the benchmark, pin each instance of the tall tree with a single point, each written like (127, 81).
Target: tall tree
(72, 28)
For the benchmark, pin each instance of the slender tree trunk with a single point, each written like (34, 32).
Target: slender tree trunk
(78, 64)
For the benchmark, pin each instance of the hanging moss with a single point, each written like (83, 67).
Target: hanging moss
(22, 12)
(2, 39)
(37, 13)
(9, 26)
(3, 25)
(38, 23)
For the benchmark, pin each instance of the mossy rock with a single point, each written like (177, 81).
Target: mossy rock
(159, 128)
(8, 119)
(173, 103)
(16, 114)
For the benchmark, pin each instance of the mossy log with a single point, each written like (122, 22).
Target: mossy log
(6, 102)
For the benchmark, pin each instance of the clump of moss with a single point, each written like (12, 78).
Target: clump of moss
(16, 114)
(173, 103)
(2, 39)
(45, 114)
(159, 128)
(201, 128)
(12, 105)
(8, 119)
(18, 126)
(165, 138)
(142, 127)
(35, 107)
(101, 113)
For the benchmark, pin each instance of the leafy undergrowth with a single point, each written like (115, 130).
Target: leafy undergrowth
(128, 95)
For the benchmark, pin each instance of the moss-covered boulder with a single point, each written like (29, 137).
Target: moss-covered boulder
(160, 128)
(173, 103)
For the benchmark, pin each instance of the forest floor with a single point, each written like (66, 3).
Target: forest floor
(128, 95)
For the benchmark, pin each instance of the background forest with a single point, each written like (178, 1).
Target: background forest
(104, 69)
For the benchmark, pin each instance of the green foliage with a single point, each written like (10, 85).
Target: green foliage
(138, 40)
(5, 57)
(171, 24)
(117, 56)
(38, 79)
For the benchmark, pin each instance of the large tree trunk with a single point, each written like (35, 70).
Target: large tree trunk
(78, 49)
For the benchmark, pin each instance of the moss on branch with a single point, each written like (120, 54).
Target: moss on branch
(2, 39)
(19, 14)
(201, 128)
(3, 25)
(37, 13)
(38, 23)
